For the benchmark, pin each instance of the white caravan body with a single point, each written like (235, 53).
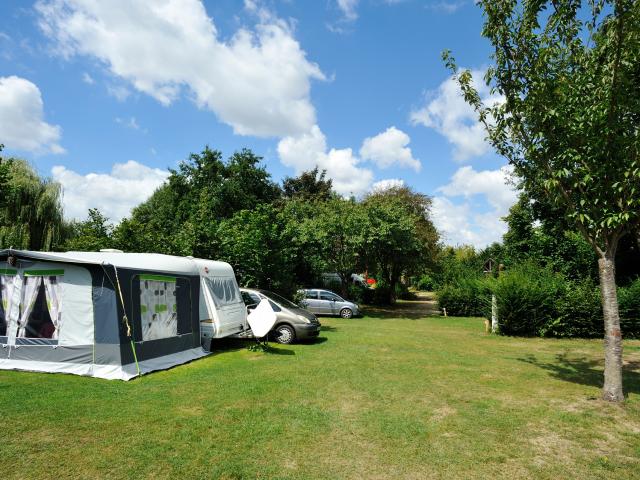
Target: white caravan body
(222, 311)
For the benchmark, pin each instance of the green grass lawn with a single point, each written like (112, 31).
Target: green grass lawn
(375, 397)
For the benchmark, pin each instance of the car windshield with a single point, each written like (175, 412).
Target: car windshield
(281, 300)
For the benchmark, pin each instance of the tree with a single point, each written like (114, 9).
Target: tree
(336, 235)
(400, 237)
(310, 185)
(182, 216)
(90, 235)
(4, 179)
(31, 214)
(569, 123)
(254, 242)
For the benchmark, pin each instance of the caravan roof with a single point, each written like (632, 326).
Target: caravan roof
(140, 261)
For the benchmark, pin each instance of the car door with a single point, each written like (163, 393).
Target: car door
(311, 301)
(327, 302)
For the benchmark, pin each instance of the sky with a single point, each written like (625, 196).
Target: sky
(104, 97)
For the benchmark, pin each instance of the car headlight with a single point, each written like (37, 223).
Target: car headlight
(304, 319)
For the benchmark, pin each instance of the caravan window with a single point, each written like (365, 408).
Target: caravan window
(40, 304)
(165, 307)
(223, 290)
(6, 289)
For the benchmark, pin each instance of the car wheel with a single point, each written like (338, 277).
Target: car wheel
(284, 334)
(346, 313)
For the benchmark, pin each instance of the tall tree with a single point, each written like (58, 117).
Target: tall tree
(569, 123)
(89, 235)
(310, 185)
(4, 179)
(182, 216)
(31, 214)
(401, 239)
(336, 235)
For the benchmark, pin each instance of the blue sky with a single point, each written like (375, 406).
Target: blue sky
(104, 96)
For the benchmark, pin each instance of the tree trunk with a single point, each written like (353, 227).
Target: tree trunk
(612, 390)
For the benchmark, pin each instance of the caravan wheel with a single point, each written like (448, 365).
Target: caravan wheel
(284, 334)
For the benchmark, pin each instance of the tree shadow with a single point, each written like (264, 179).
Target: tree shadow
(412, 310)
(585, 371)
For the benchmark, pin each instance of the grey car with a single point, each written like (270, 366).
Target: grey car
(325, 302)
(293, 323)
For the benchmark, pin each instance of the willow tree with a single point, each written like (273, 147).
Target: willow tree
(569, 124)
(31, 208)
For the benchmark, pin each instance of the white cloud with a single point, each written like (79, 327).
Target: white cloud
(115, 193)
(461, 223)
(449, 115)
(389, 148)
(22, 126)
(306, 151)
(86, 78)
(119, 92)
(348, 9)
(447, 7)
(386, 184)
(258, 81)
(130, 123)
(494, 184)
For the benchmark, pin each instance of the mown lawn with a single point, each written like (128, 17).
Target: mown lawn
(375, 397)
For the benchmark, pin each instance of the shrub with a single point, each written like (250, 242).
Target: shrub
(382, 292)
(629, 304)
(468, 297)
(578, 312)
(425, 282)
(526, 299)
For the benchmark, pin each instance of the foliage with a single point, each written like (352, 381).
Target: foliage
(466, 297)
(31, 214)
(182, 216)
(311, 185)
(89, 235)
(577, 312)
(401, 238)
(630, 309)
(424, 282)
(336, 235)
(252, 241)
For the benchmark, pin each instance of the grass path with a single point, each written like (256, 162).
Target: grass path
(375, 397)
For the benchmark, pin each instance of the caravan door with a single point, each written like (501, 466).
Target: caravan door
(225, 305)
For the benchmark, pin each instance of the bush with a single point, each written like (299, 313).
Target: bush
(578, 312)
(360, 294)
(526, 299)
(468, 297)
(629, 304)
(425, 282)
(382, 293)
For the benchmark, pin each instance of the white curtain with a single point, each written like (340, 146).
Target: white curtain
(6, 296)
(159, 309)
(29, 297)
(54, 301)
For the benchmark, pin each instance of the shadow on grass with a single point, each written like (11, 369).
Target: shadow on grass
(272, 350)
(327, 328)
(412, 310)
(584, 371)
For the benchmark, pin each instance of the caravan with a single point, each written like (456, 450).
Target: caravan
(110, 314)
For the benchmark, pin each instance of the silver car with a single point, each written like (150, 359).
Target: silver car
(293, 323)
(325, 302)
